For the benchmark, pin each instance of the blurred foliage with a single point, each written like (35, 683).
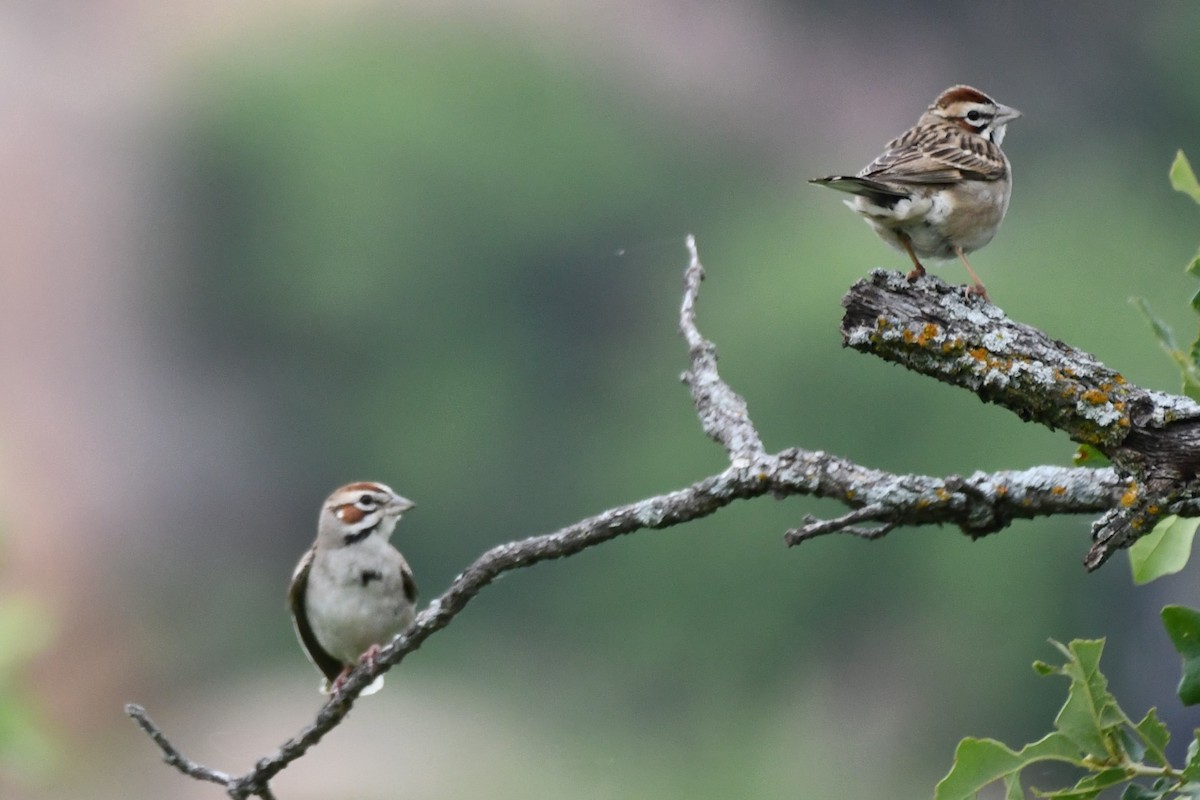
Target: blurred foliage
(1167, 548)
(27, 751)
(1183, 626)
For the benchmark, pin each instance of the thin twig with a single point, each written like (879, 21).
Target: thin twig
(170, 754)
(813, 527)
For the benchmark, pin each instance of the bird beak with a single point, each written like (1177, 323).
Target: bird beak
(400, 504)
(1005, 114)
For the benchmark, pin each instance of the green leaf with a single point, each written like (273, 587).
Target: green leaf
(1162, 331)
(1183, 626)
(1155, 735)
(978, 762)
(1164, 550)
(1012, 787)
(1044, 669)
(1191, 771)
(1131, 742)
(1089, 786)
(1136, 792)
(1183, 179)
(1090, 711)
(1088, 456)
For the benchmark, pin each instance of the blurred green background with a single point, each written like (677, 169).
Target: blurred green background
(252, 254)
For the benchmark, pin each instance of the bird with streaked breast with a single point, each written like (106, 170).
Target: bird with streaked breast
(940, 189)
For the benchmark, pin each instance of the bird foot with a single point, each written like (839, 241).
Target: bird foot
(339, 681)
(978, 291)
(917, 272)
(369, 657)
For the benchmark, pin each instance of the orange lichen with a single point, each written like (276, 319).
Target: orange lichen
(908, 336)
(978, 353)
(1130, 496)
(1095, 397)
(949, 346)
(1119, 379)
(1001, 491)
(928, 333)
(1058, 491)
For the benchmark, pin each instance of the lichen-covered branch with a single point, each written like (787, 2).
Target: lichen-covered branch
(879, 501)
(932, 328)
(722, 411)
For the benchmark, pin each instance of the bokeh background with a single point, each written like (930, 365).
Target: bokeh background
(249, 252)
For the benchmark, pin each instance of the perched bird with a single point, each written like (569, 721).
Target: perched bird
(352, 591)
(941, 188)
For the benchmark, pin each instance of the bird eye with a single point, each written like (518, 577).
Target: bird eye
(366, 501)
(973, 115)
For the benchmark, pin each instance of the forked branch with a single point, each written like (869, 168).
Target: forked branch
(879, 501)
(934, 329)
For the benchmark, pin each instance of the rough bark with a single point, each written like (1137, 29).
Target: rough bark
(934, 329)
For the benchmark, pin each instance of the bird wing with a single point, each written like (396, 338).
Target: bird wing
(937, 154)
(410, 584)
(297, 592)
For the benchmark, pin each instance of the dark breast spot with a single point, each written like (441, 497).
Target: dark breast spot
(369, 575)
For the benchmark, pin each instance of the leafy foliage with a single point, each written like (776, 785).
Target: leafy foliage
(1183, 180)
(1091, 733)
(26, 750)
(1088, 456)
(1166, 549)
(1183, 626)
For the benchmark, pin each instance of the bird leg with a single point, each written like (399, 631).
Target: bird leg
(918, 270)
(340, 680)
(978, 288)
(369, 657)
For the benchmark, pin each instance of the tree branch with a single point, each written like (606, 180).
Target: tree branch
(722, 411)
(937, 322)
(932, 328)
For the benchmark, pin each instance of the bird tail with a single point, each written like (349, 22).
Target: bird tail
(878, 193)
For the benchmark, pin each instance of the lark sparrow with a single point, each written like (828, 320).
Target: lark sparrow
(352, 591)
(940, 189)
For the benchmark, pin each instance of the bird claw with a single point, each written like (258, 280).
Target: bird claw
(369, 657)
(978, 291)
(335, 688)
